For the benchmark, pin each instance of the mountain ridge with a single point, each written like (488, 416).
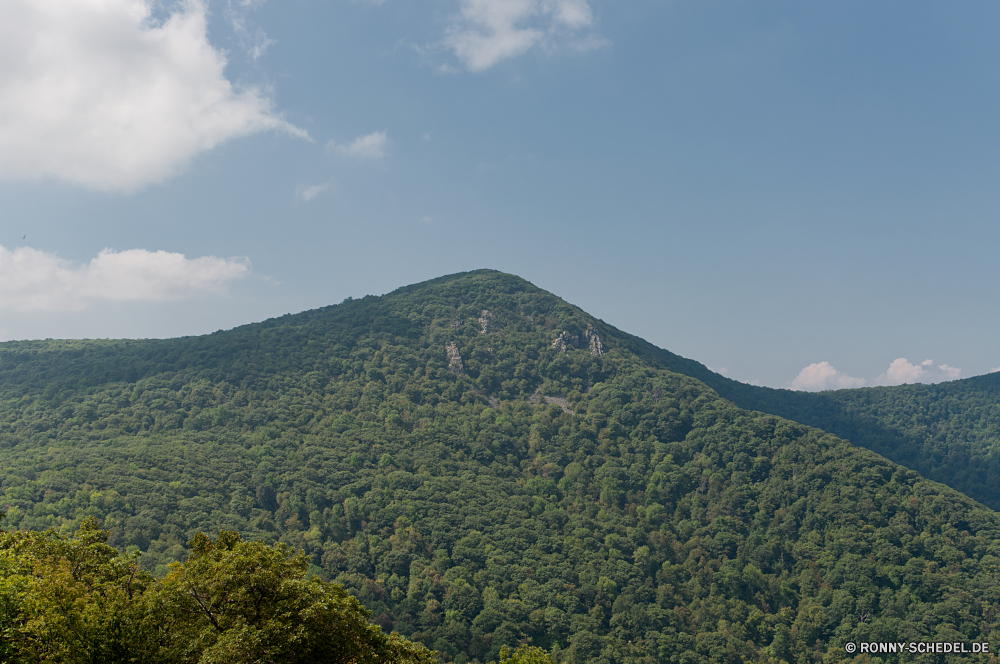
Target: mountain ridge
(967, 460)
(657, 521)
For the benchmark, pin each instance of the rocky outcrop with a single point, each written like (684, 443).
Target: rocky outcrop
(566, 340)
(486, 322)
(454, 358)
(596, 345)
(593, 341)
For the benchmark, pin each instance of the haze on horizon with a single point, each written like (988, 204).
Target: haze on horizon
(797, 196)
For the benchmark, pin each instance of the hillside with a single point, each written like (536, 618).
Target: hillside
(949, 432)
(482, 463)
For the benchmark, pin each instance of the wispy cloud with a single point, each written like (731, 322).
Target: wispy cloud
(309, 192)
(252, 38)
(824, 376)
(100, 95)
(34, 280)
(951, 373)
(372, 146)
(486, 32)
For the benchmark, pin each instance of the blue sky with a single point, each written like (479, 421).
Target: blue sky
(796, 194)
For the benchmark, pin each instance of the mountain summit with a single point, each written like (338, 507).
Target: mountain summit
(484, 464)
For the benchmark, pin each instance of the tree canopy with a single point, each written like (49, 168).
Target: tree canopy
(76, 599)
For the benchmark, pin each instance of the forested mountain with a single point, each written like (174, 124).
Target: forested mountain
(483, 464)
(949, 432)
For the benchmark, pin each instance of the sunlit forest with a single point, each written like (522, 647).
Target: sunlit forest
(494, 475)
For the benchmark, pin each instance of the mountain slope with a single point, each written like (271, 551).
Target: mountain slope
(482, 463)
(949, 432)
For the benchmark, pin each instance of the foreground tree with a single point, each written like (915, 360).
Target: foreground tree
(238, 601)
(76, 600)
(70, 599)
(524, 654)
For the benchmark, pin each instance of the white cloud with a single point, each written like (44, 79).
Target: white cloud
(307, 193)
(573, 14)
(33, 280)
(823, 376)
(372, 146)
(488, 31)
(426, 219)
(901, 372)
(951, 373)
(95, 92)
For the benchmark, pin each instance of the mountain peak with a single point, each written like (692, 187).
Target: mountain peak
(484, 464)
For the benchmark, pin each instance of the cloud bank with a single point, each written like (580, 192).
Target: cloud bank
(33, 280)
(486, 32)
(94, 92)
(824, 376)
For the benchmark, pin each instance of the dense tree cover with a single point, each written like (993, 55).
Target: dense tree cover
(949, 432)
(76, 599)
(639, 518)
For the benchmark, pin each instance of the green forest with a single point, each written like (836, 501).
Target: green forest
(949, 432)
(486, 467)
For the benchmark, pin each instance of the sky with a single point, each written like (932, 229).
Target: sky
(798, 195)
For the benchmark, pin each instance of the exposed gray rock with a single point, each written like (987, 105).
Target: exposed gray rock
(484, 321)
(566, 340)
(454, 358)
(493, 402)
(596, 345)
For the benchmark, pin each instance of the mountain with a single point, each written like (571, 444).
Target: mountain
(483, 464)
(948, 432)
